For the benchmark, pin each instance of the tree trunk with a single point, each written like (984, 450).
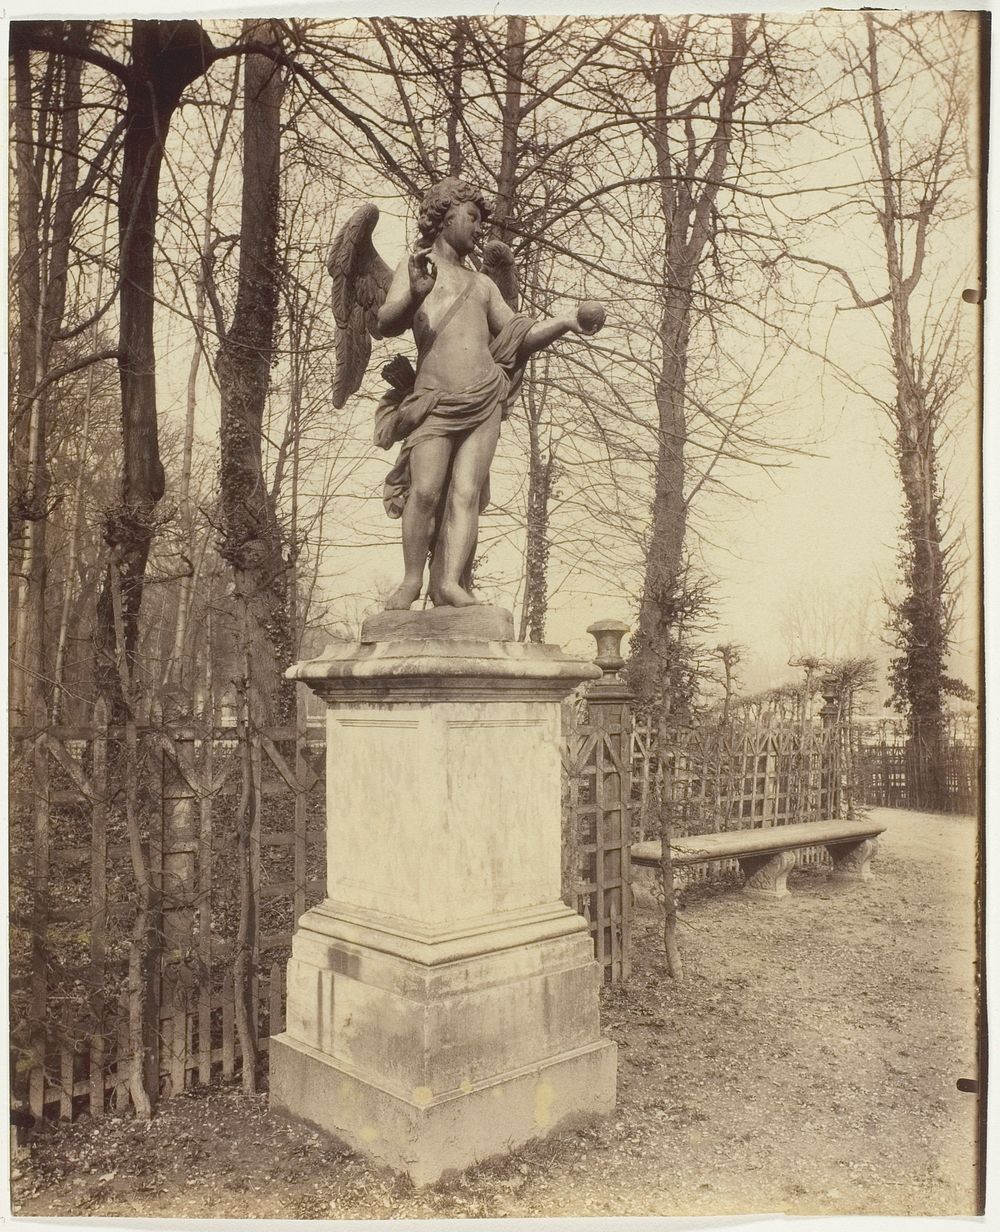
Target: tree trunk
(144, 952)
(455, 101)
(28, 279)
(920, 619)
(510, 121)
(536, 553)
(664, 556)
(166, 57)
(42, 304)
(675, 967)
(687, 201)
(252, 541)
(25, 501)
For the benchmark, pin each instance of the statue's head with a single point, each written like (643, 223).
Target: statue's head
(439, 199)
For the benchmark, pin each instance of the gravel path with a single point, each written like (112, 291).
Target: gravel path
(807, 1063)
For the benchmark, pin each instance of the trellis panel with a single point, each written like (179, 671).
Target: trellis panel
(79, 1062)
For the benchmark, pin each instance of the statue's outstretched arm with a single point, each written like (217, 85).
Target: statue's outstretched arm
(586, 320)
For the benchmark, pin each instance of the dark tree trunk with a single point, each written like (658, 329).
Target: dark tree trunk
(510, 122)
(664, 555)
(166, 57)
(41, 287)
(920, 619)
(455, 101)
(921, 615)
(687, 200)
(252, 540)
(26, 500)
(541, 471)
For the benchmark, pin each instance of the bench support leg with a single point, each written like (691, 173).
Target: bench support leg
(767, 876)
(852, 861)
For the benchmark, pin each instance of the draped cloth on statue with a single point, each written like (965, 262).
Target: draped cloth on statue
(411, 414)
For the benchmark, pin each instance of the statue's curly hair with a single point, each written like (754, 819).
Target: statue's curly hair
(439, 199)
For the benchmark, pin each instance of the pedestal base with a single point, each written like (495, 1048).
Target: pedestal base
(431, 1048)
(448, 1132)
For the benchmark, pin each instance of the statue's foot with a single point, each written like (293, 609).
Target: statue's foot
(450, 594)
(402, 597)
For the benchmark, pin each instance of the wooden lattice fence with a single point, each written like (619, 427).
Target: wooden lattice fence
(73, 898)
(73, 888)
(597, 830)
(900, 770)
(741, 776)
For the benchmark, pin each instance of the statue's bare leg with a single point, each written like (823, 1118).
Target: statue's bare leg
(465, 581)
(429, 461)
(460, 526)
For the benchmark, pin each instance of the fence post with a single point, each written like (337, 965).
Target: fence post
(203, 914)
(299, 866)
(98, 903)
(609, 703)
(180, 844)
(39, 912)
(830, 763)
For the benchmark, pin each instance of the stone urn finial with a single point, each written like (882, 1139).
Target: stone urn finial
(608, 635)
(828, 690)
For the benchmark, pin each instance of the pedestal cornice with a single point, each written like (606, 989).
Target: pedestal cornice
(426, 668)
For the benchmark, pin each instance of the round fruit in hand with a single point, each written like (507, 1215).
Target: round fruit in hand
(590, 316)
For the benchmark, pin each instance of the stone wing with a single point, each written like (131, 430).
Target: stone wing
(498, 263)
(360, 284)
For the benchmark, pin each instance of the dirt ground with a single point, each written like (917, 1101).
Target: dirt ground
(807, 1063)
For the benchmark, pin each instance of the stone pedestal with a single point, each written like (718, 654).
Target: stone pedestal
(442, 1000)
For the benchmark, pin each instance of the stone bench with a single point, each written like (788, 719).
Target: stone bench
(767, 856)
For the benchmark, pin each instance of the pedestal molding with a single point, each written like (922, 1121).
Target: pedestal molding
(441, 668)
(438, 946)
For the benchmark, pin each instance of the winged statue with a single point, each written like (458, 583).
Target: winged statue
(361, 282)
(472, 346)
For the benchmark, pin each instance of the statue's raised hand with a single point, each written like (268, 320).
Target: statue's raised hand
(423, 273)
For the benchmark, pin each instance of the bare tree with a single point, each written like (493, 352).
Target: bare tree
(163, 59)
(49, 194)
(918, 179)
(690, 175)
(730, 655)
(251, 538)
